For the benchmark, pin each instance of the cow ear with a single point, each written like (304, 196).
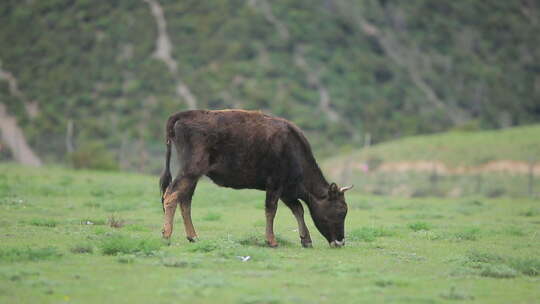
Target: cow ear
(333, 189)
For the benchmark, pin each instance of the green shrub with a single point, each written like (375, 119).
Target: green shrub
(93, 155)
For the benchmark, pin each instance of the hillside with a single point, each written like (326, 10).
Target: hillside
(81, 74)
(515, 147)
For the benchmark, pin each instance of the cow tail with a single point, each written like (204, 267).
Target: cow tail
(166, 178)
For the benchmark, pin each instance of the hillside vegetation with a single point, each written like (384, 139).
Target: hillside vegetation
(77, 74)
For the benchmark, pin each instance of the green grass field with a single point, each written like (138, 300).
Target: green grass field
(57, 245)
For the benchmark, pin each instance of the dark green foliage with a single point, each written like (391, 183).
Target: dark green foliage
(93, 155)
(28, 254)
(450, 69)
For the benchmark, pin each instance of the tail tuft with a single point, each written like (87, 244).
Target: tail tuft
(166, 178)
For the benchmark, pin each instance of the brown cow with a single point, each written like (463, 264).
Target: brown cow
(250, 150)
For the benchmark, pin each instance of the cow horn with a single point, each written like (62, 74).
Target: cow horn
(343, 189)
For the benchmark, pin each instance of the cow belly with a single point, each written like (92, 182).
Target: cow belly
(237, 181)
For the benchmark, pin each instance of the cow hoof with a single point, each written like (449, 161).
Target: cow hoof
(272, 245)
(307, 245)
(192, 239)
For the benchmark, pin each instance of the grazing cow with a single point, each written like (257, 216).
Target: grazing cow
(250, 150)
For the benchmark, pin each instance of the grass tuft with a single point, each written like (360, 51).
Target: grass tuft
(82, 248)
(530, 212)
(468, 234)
(484, 257)
(43, 222)
(369, 234)
(126, 259)
(527, 266)
(417, 226)
(28, 254)
(212, 217)
(179, 263)
(456, 295)
(492, 265)
(501, 271)
(115, 222)
(514, 231)
(117, 243)
(203, 246)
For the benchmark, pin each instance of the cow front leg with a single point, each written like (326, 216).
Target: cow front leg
(298, 212)
(270, 211)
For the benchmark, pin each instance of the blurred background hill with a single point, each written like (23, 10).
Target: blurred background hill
(92, 82)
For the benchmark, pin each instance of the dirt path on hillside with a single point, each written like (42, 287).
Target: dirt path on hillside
(506, 166)
(497, 166)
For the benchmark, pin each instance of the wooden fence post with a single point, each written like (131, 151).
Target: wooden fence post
(531, 178)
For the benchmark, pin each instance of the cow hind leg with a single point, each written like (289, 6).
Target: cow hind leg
(170, 200)
(180, 192)
(298, 212)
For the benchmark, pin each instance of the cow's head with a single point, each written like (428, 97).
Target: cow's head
(329, 217)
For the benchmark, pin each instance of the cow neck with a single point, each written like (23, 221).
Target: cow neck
(315, 187)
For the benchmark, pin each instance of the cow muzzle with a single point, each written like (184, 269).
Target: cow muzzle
(337, 244)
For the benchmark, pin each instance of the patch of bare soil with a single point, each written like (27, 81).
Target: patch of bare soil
(503, 166)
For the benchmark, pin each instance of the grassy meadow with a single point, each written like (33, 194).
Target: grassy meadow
(94, 237)
(515, 148)
(457, 148)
